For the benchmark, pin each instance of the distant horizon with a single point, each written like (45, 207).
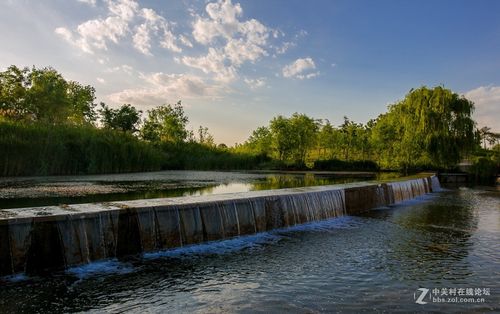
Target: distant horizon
(236, 64)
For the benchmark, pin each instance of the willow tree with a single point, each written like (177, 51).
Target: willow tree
(430, 126)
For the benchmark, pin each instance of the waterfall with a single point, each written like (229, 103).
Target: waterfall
(34, 242)
(405, 190)
(436, 186)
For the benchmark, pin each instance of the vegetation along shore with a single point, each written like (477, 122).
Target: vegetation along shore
(52, 126)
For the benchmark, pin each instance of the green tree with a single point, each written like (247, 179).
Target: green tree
(351, 137)
(166, 123)
(204, 137)
(126, 118)
(484, 133)
(47, 96)
(13, 89)
(384, 135)
(82, 106)
(282, 140)
(303, 134)
(260, 142)
(44, 95)
(430, 126)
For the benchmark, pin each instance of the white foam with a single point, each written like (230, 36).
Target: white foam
(247, 242)
(16, 278)
(101, 267)
(218, 247)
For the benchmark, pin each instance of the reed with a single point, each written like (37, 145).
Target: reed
(41, 149)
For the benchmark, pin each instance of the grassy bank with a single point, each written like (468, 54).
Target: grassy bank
(38, 149)
(29, 149)
(195, 156)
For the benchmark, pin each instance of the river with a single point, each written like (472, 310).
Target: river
(18, 192)
(446, 244)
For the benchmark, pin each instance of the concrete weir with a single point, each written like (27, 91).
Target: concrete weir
(41, 239)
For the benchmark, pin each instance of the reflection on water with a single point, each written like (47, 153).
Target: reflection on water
(371, 262)
(44, 191)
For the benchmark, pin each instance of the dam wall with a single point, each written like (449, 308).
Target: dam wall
(43, 239)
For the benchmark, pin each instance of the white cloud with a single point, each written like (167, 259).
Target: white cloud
(214, 63)
(285, 46)
(301, 69)
(239, 51)
(95, 34)
(64, 33)
(121, 68)
(307, 76)
(154, 25)
(167, 88)
(231, 41)
(142, 39)
(255, 83)
(290, 44)
(185, 41)
(222, 22)
(125, 9)
(122, 15)
(89, 2)
(487, 103)
(168, 41)
(101, 80)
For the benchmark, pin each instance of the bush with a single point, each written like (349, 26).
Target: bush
(195, 156)
(484, 170)
(341, 165)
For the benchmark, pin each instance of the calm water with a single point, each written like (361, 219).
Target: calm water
(375, 261)
(44, 191)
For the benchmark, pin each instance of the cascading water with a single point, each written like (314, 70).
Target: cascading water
(34, 243)
(405, 190)
(436, 186)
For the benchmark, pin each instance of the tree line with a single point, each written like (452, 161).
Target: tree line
(44, 96)
(49, 125)
(431, 128)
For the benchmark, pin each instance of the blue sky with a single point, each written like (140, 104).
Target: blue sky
(237, 64)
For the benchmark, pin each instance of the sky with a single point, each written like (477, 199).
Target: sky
(237, 64)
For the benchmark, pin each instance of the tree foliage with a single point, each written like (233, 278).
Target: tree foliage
(126, 118)
(260, 141)
(43, 95)
(430, 126)
(166, 123)
(204, 137)
(304, 136)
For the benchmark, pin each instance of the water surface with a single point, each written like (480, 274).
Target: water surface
(56, 190)
(374, 261)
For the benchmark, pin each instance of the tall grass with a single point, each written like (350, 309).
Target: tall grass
(195, 156)
(39, 149)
